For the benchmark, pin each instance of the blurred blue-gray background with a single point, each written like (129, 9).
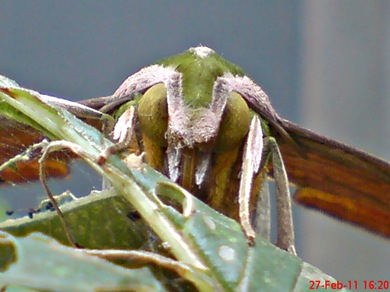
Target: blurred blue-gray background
(324, 64)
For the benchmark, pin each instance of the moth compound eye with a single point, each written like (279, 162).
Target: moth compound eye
(153, 114)
(234, 124)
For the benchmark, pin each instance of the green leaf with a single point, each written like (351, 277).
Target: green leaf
(97, 221)
(40, 262)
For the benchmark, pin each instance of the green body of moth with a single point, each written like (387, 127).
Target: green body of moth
(207, 126)
(192, 120)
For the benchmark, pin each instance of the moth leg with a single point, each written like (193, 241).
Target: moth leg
(250, 165)
(285, 236)
(123, 134)
(262, 217)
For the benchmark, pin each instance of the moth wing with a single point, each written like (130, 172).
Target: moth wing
(15, 138)
(338, 179)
